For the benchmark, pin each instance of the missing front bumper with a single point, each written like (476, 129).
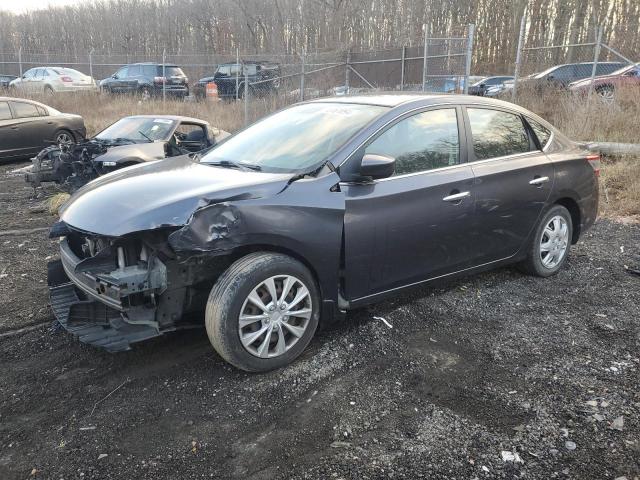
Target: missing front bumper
(94, 322)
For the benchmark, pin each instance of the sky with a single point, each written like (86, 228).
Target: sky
(20, 6)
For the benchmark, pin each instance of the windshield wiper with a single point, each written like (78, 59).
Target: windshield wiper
(145, 136)
(238, 165)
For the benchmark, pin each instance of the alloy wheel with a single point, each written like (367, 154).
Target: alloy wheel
(554, 242)
(274, 316)
(64, 138)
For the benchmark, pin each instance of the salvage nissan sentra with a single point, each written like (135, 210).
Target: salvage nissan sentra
(315, 210)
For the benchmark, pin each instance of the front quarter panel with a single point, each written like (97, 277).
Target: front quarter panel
(305, 220)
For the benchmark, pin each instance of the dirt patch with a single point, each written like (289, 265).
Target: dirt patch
(496, 362)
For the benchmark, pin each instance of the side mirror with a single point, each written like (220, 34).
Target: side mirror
(114, 76)
(377, 166)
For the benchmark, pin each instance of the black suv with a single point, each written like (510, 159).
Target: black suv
(228, 75)
(147, 79)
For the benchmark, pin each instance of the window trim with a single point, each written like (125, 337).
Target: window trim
(14, 112)
(11, 115)
(544, 147)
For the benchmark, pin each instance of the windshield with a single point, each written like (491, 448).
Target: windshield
(171, 71)
(297, 139)
(138, 129)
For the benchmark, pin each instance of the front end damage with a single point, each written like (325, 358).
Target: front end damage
(70, 166)
(112, 292)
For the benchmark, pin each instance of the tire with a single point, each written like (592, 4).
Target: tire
(63, 136)
(145, 93)
(539, 262)
(606, 92)
(229, 298)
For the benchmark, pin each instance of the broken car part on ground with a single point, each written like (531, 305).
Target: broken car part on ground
(129, 141)
(285, 224)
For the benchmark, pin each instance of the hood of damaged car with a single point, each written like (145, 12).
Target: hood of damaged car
(133, 152)
(161, 194)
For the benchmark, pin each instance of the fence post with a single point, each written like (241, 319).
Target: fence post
(516, 73)
(91, 64)
(404, 55)
(246, 95)
(20, 60)
(596, 54)
(424, 58)
(237, 72)
(164, 75)
(467, 70)
(302, 78)
(347, 72)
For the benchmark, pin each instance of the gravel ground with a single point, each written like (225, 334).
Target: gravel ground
(499, 375)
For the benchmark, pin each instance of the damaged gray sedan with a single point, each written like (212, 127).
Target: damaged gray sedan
(315, 210)
(129, 141)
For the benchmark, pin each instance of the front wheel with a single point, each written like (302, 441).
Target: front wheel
(263, 311)
(549, 247)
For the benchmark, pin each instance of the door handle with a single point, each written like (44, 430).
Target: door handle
(539, 181)
(456, 197)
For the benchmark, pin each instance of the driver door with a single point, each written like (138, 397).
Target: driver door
(414, 225)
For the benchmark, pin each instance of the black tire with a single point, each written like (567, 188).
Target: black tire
(606, 92)
(228, 296)
(57, 137)
(533, 265)
(145, 93)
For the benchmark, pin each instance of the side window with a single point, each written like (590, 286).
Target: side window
(541, 132)
(29, 73)
(134, 71)
(496, 133)
(24, 110)
(421, 142)
(194, 136)
(122, 73)
(42, 111)
(5, 113)
(150, 70)
(606, 68)
(38, 74)
(235, 70)
(224, 70)
(563, 73)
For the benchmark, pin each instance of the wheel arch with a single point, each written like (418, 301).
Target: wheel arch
(576, 216)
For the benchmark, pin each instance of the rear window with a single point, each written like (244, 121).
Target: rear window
(25, 110)
(5, 112)
(497, 133)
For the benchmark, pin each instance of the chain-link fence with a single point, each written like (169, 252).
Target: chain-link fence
(573, 61)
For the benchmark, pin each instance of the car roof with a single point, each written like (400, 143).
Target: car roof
(9, 99)
(178, 118)
(424, 99)
(151, 63)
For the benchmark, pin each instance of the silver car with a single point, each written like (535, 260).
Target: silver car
(50, 80)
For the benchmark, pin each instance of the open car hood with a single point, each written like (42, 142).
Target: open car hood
(161, 194)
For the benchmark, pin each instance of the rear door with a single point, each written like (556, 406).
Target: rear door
(118, 82)
(414, 225)
(513, 180)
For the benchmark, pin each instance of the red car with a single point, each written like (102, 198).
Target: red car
(606, 85)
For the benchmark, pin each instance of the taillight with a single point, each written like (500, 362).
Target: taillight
(66, 79)
(159, 80)
(594, 161)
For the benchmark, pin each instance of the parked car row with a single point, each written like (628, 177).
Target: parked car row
(324, 207)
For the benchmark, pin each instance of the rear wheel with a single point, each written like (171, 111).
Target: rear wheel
(606, 92)
(263, 311)
(549, 247)
(64, 137)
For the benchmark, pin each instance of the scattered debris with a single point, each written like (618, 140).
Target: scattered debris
(569, 445)
(84, 429)
(508, 456)
(339, 444)
(634, 271)
(102, 455)
(108, 395)
(384, 321)
(618, 423)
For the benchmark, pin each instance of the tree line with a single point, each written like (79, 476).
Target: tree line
(291, 26)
